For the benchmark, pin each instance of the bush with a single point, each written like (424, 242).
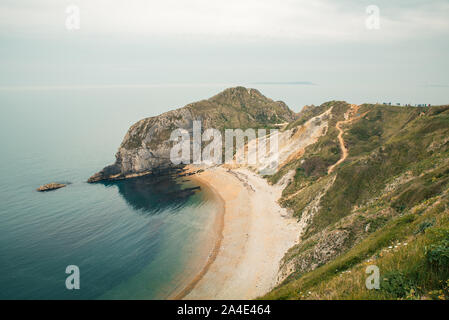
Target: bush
(438, 255)
(423, 226)
(396, 284)
(314, 166)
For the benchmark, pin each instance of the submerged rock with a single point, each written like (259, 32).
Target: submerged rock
(50, 186)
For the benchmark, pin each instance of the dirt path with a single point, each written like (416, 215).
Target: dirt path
(351, 117)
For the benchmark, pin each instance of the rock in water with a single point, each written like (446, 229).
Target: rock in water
(50, 186)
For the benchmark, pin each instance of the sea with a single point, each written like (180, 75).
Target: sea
(131, 239)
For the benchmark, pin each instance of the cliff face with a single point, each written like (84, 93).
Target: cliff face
(146, 146)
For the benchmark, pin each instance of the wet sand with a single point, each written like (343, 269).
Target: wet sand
(215, 240)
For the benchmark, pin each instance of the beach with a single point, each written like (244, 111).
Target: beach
(252, 235)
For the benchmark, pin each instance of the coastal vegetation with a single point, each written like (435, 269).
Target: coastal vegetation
(370, 188)
(386, 206)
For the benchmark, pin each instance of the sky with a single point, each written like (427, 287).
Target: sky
(321, 47)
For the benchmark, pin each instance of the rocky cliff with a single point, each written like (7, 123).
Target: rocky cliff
(146, 146)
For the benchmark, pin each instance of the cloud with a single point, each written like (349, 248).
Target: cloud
(301, 19)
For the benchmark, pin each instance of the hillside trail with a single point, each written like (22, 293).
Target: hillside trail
(349, 117)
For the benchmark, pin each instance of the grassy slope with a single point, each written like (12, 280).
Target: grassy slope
(403, 148)
(242, 108)
(406, 270)
(232, 108)
(323, 153)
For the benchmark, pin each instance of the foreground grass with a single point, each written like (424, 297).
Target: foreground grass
(411, 251)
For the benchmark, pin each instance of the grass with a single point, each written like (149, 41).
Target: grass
(233, 108)
(307, 113)
(384, 144)
(325, 151)
(402, 267)
(404, 148)
(307, 195)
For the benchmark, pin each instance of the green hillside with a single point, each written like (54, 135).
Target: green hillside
(237, 107)
(391, 190)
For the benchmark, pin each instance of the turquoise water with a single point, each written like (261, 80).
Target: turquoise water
(131, 239)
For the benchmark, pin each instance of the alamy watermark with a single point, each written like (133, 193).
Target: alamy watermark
(373, 280)
(72, 21)
(372, 22)
(251, 148)
(73, 280)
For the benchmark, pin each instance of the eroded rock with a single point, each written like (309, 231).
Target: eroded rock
(50, 187)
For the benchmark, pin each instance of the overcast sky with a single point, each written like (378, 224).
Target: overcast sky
(322, 42)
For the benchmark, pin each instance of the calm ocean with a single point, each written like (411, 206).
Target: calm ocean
(130, 239)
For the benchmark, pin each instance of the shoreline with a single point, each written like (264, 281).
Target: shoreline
(252, 235)
(219, 225)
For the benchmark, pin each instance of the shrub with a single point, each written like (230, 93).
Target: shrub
(314, 166)
(438, 255)
(423, 226)
(396, 284)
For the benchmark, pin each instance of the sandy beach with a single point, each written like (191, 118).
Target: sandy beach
(253, 233)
